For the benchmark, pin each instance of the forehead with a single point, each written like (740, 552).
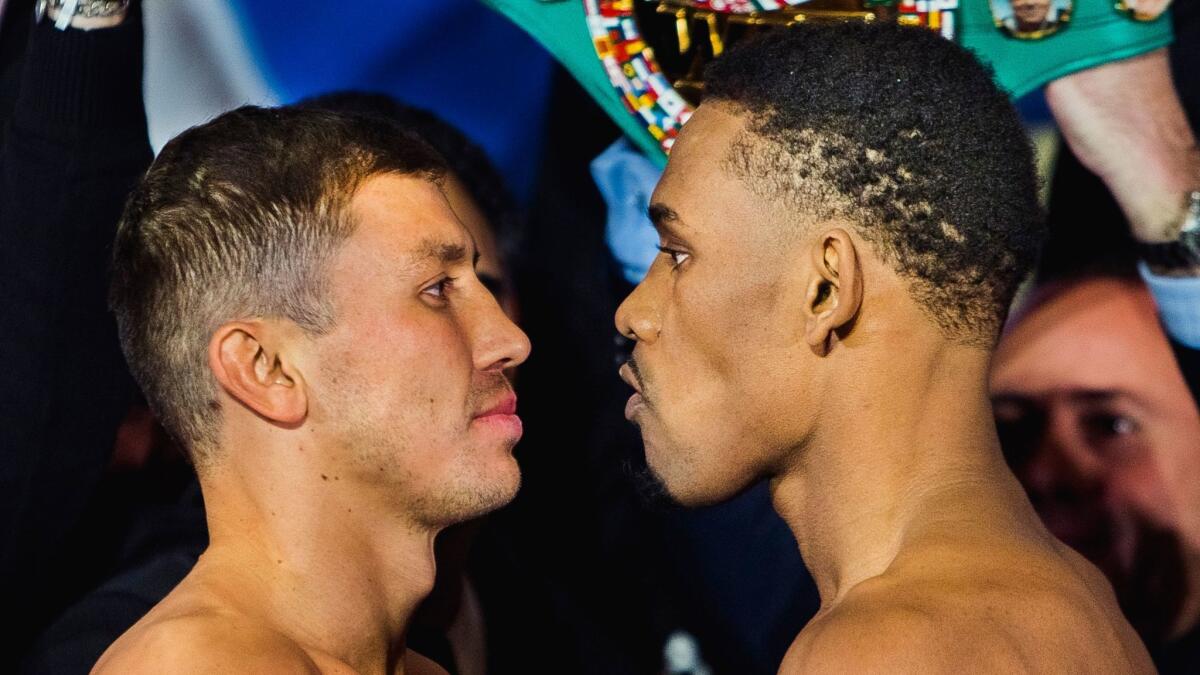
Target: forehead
(1098, 334)
(698, 156)
(708, 197)
(402, 220)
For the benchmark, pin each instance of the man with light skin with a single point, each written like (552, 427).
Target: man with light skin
(299, 302)
(842, 228)
(1097, 422)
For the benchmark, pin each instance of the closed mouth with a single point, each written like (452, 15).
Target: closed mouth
(629, 374)
(506, 406)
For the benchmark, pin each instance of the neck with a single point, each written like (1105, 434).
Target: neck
(303, 554)
(915, 455)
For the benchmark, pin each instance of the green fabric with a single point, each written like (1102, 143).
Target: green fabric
(1096, 34)
(561, 27)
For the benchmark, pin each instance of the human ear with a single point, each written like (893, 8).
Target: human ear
(246, 359)
(834, 292)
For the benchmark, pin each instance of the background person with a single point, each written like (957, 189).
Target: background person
(1097, 423)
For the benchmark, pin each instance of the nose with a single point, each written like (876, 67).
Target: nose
(638, 318)
(499, 344)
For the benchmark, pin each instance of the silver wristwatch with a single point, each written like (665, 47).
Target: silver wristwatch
(1183, 254)
(81, 12)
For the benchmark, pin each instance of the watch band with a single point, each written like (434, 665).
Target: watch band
(1184, 252)
(69, 10)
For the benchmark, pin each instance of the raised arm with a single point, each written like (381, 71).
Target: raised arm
(74, 144)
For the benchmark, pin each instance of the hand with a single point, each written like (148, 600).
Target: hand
(1124, 122)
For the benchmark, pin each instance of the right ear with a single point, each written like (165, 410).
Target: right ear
(247, 360)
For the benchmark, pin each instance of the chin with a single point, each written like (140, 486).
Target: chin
(472, 495)
(683, 483)
(500, 488)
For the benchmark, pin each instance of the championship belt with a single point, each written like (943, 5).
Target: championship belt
(643, 60)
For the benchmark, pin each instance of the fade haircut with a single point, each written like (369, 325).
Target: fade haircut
(238, 218)
(905, 135)
(466, 159)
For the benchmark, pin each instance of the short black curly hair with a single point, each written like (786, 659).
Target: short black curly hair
(904, 134)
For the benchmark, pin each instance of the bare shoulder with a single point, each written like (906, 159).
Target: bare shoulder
(202, 642)
(994, 615)
(415, 664)
(871, 637)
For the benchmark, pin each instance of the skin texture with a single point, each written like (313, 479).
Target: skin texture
(343, 455)
(773, 347)
(1105, 437)
(1145, 153)
(453, 608)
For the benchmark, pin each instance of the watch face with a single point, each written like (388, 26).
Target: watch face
(1030, 19)
(1189, 242)
(654, 51)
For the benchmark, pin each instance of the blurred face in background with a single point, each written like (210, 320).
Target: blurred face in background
(1098, 423)
(491, 268)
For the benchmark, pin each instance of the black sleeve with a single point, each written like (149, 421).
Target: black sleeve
(74, 145)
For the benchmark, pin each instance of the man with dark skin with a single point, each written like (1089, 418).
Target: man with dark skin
(299, 301)
(842, 228)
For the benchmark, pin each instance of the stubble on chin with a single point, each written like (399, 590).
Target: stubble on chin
(649, 487)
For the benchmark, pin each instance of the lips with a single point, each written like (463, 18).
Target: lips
(501, 419)
(505, 406)
(630, 378)
(638, 400)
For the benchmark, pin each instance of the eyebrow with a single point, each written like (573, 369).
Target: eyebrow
(663, 217)
(1106, 396)
(442, 251)
(1078, 396)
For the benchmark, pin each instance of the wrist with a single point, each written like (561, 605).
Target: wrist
(1155, 196)
(84, 14)
(1178, 255)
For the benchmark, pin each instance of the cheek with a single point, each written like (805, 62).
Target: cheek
(720, 326)
(718, 364)
(1153, 489)
(1178, 488)
(415, 365)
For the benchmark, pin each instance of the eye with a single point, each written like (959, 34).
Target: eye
(1113, 435)
(438, 289)
(1108, 425)
(677, 257)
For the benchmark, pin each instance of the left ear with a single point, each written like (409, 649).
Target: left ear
(834, 293)
(247, 361)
